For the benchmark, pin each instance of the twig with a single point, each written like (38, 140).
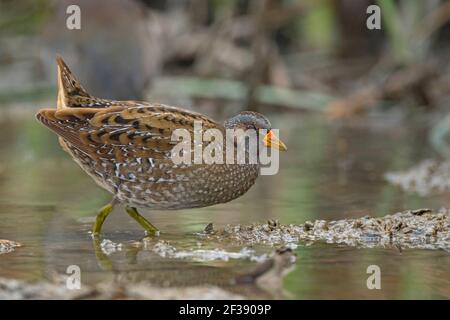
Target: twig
(410, 80)
(237, 90)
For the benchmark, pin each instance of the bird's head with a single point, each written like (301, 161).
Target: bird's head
(249, 120)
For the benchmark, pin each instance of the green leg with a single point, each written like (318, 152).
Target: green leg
(151, 229)
(101, 216)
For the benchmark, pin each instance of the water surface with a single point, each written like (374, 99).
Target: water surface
(331, 171)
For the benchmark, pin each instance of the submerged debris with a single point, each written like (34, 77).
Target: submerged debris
(8, 246)
(12, 289)
(108, 247)
(166, 250)
(209, 228)
(410, 229)
(428, 176)
(266, 276)
(197, 293)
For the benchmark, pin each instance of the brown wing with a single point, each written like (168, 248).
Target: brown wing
(128, 129)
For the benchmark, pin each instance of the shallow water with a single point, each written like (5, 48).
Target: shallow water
(331, 171)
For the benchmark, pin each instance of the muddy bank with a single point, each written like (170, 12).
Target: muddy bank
(420, 228)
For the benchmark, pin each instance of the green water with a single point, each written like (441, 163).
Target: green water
(331, 171)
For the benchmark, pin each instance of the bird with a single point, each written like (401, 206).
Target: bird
(126, 147)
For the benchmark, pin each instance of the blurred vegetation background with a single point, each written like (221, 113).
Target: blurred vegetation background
(294, 54)
(352, 104)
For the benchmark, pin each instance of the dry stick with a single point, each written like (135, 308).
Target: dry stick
(236, 91)
(434, 21)
(208, 42)
(278, 71)
(198, 12)
(398, 84)
(268, 66)
(260, 50)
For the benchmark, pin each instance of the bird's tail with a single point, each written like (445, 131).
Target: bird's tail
(70, 92)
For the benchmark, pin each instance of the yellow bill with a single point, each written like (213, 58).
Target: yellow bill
(272, 141)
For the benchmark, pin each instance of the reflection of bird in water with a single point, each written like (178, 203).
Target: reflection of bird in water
(263, 281)
(272, 269)
(125, 146)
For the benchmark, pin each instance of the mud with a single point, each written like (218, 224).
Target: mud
(420, 228)
(426, 177)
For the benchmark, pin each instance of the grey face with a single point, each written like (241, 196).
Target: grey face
(248, 120)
